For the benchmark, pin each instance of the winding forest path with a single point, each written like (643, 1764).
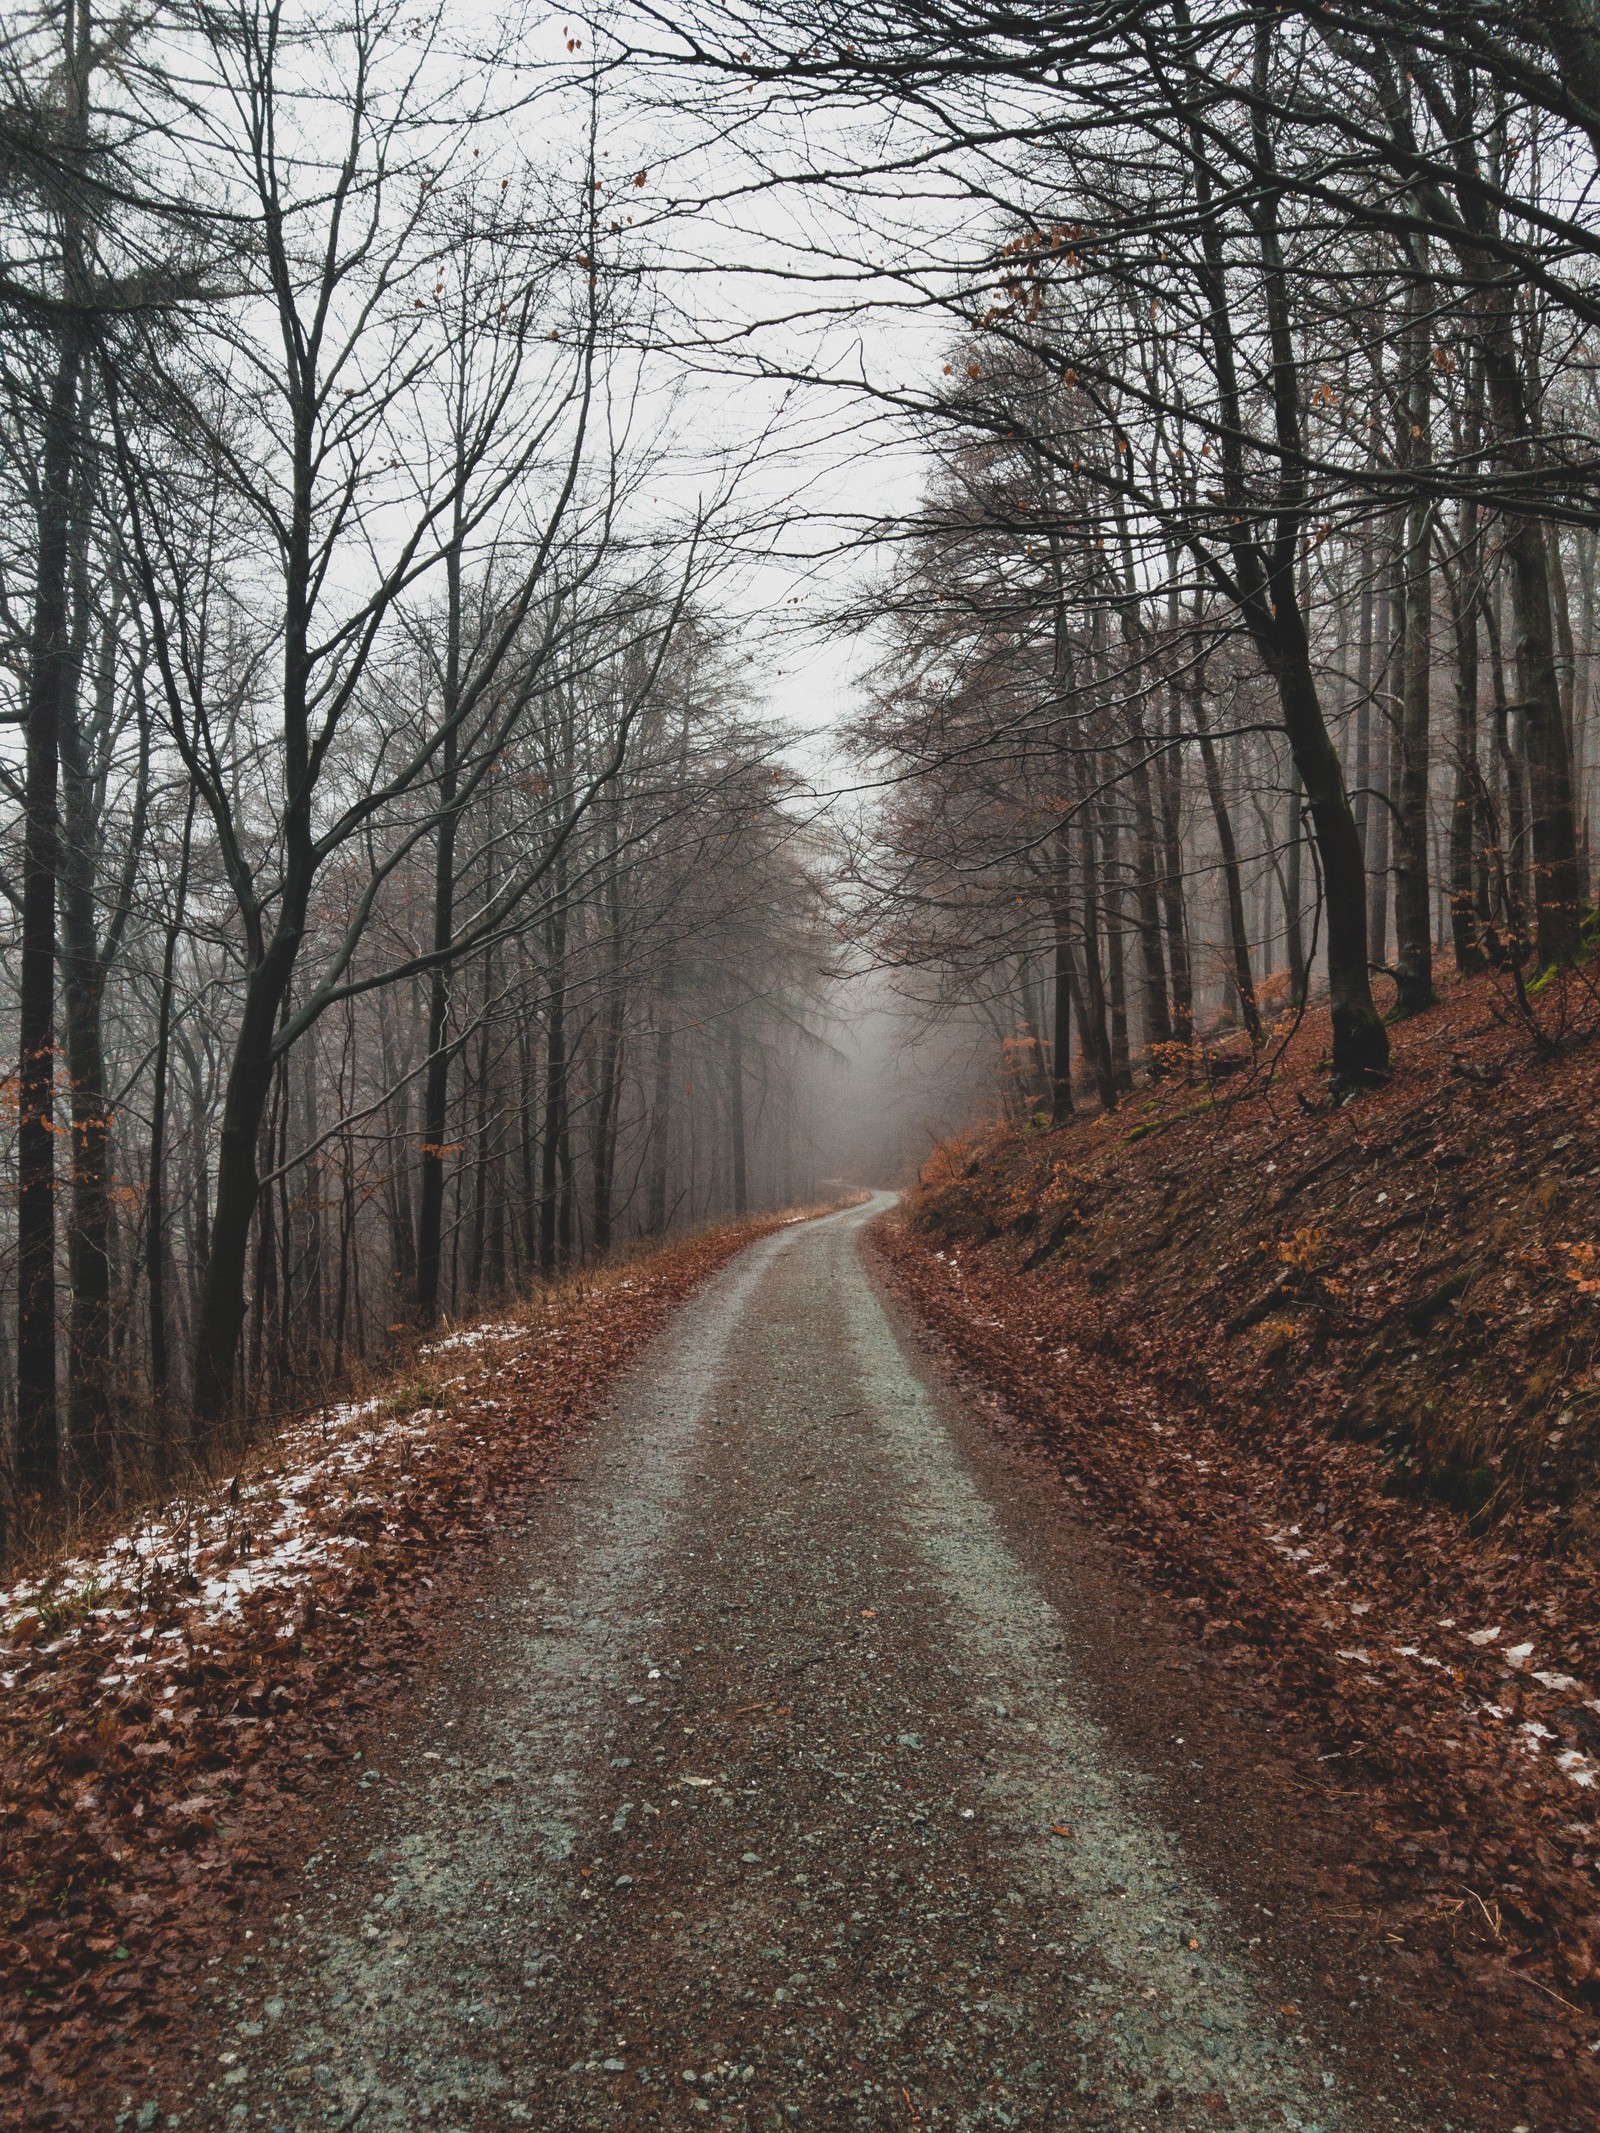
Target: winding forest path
(777, 1780)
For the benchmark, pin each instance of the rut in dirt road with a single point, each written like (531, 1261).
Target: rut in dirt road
(765, 1795)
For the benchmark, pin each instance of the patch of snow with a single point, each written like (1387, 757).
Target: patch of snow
(213, 1550)
(473, 1337)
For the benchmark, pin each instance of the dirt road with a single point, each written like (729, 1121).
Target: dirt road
(780, 1780)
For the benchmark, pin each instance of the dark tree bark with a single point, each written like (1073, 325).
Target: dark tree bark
(1557, 887)
(1413, 912)
(1063, 987)
(1293, 894)
(551, 1178)
(49, 678)
(156, 1192)
(1232, 881)
(86, 964)
(436, 1077)
(661, 1109)
(1169, 786)
(1464, 588)
(1089, 996)
(737, 1153)
(1264, 589)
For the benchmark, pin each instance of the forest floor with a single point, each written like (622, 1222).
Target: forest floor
(180, 1695)
(802, 1750)
(1327, 1379)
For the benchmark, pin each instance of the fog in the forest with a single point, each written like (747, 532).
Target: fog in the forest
(887, 1084)
(610, 620)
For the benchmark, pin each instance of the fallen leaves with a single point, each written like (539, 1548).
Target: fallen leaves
(160, 1704)
(1446, 1667)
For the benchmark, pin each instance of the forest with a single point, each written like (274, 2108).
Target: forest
(409, 884)
(404, 890)
(629, 635)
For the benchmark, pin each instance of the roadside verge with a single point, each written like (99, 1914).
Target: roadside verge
(163, 1700)
(1472, 1823)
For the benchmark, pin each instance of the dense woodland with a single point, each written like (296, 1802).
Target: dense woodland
(404, 887)
(402, 892)
(1243, 643)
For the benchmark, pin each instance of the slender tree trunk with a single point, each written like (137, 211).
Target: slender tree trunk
(528, 1135)
(155, 1195)
(481, 1159)
(1390, 623)
(1170, 788)
(1466, 593)
(1063, 983)
(402, 1223)
(661, 1110)
(1557, 888)
(436, 1075)
(1147, 898)
(49, 676)
(604, 1134)
(1413, 914)
(1557, 891)
(1090, 995)
(1513, 841)
(1271, 609)
(736, 1129)
(249, 1084)
(1157, 1014)
(1113, 904)
(1232, 881)
(85, 965)
(1293, 893)
(1361, 800)
(555, 1084)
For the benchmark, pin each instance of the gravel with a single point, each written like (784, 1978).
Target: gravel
(776, 1778)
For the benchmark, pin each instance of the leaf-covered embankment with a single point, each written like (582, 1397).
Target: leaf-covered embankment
(1331, 1377)
(162, 1699)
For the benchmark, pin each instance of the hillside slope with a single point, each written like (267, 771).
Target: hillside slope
(1332, 1376)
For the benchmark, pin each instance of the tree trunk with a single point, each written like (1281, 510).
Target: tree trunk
(1170, 788)
(1465, 594)
(555, 1085)
(1233, 885)
(250, 1072)
(1147, 898)
(1090, 995)
(436, 1078)
(49, 677)
(1557, 888)
(1413, 906)
(1293, 892)
(736, 1130)
(155, 1196)
(1111, 897)
(1063, 981)
(1510, 861)
(661, 1110)
(1390, 619)
(480, 1150)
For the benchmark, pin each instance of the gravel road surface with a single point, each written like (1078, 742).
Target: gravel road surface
(777, 1780)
